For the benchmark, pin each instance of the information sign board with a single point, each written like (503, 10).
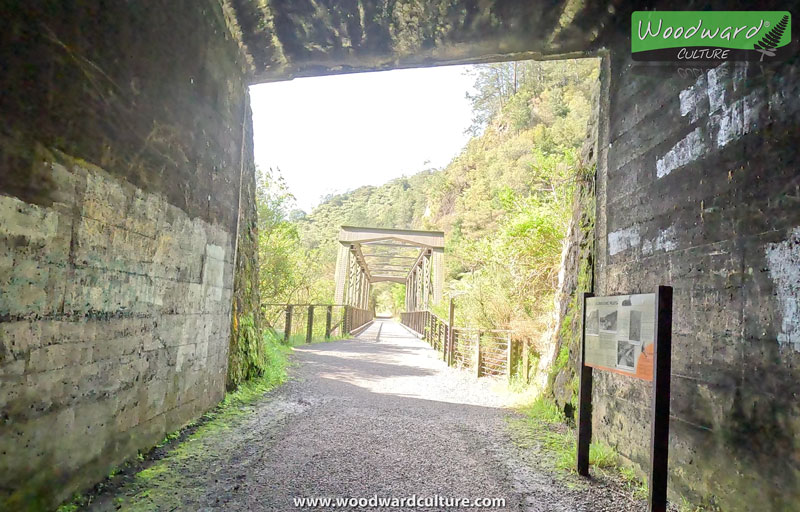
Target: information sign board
(620, 331)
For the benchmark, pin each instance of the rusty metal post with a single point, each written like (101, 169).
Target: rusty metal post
(287, 325)
(328, 319)
(310, 325)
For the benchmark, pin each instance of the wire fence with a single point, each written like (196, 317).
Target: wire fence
(486, 352)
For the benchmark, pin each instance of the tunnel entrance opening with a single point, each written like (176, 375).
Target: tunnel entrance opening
(128, 213)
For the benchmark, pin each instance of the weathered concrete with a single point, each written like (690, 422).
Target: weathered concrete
(701, 191)
(125, 161)
(121, 160)
(291, 38)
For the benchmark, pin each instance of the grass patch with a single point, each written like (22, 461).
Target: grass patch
(638, 486)
(548, 423)
(72, 506)
(543, 411)
(296, 340)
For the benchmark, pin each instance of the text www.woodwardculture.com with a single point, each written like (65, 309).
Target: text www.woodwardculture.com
(409, 502)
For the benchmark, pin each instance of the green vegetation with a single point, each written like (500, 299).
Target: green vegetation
(547, 423)
(504, 202)
(288, 269)
(257, 354)
(687, 506)
(296, 340)
(72, 506)
(637, 485)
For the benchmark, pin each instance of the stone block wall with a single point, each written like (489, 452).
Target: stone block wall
(121, 163)
(698, 187)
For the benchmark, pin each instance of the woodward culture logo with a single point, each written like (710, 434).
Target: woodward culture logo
(711, 35)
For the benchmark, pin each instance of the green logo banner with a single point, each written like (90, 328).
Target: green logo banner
(711, 35)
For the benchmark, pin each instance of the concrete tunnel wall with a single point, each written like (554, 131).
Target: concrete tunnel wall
(698, 187)
(121, 154)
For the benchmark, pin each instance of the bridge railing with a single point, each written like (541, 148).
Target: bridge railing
(314, 321)
(483, 351)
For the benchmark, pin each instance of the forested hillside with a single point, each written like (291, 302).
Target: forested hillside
(504, 203)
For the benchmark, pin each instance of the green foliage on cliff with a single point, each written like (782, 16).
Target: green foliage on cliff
(288, 268)
(504, 202)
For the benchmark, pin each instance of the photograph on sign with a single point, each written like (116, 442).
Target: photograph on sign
(619, 334)
(635, 326)
(608, 320)
(593, 322)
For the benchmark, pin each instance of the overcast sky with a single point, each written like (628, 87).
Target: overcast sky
(337, 133)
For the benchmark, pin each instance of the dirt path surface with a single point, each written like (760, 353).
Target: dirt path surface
(379, 415)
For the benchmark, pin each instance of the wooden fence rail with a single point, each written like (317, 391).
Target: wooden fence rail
(485, 352)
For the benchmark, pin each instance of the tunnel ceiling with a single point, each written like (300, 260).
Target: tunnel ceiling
(293, 38)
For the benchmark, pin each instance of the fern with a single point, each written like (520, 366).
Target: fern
(772, 38)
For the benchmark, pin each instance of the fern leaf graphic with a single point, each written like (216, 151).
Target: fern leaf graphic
(771, 39)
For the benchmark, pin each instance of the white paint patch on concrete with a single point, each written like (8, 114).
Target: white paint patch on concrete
(623, 239)
(213, 270)
(666, 241)
(687, 150)
(692, 100)
(739, 118)
(739, 74)
(717, 94)
(783, 260)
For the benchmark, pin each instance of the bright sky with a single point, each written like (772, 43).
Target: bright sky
(336, 133)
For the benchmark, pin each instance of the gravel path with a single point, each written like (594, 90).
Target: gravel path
(379, 415)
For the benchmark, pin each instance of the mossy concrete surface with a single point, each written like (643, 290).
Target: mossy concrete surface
(126, 157)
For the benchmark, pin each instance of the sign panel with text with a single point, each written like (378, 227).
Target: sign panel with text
(619, 334)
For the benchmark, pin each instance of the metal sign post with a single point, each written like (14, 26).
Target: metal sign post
(584, 400)
(630, 335)
(662, 369)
